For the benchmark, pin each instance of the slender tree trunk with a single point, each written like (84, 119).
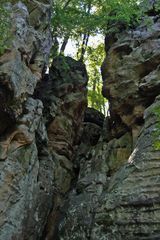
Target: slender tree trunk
(67, 3)
(104, 107)
(64, 44)
(86, 35)
(94, 91)
(55, 47)
(84, 46)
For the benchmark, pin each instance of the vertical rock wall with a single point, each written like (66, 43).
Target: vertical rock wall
(59, 180)
(63, 94)
(117, 193)
(40, 123)
(130, 207)
(24, 168)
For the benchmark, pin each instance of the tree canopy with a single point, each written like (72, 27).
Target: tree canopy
(81, 19)
(93, 59)
(77, 17)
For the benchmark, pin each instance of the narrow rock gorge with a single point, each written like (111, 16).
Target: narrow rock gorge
(67, 172)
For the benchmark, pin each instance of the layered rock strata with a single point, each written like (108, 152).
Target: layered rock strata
(117, 192)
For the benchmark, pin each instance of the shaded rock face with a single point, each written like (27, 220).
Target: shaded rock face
(26, 179)
(94, 116)
(131, 74)
(96, 160)
(63, 94)
(78, 210)
(38, 130)
(130, 209)
(27, 56)
(116, 195)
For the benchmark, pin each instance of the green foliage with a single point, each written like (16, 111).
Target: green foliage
(69, 18)
(112, 12)
(4, 27)
(76, 17)
(94, 58)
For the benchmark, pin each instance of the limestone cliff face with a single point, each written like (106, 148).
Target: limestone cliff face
(117, 192)
(130, 209)
(131, 72)
(64, 95)
(22, 173)
(67, 172)
(38, 129)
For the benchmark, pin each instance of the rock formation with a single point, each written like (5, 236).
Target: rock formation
(40, 123)
(63, 93)
(67, 172)
(117, 192)
(26, 185)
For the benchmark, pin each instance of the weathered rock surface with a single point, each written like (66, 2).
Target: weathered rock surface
(130, 208)
(37, 153)
(26, 179)
(27, 56)
(116, 195)
(94, 116)
(63, 94)
(62, 178)
(78, 210)
(131, 74)
(96, 164)
(39, 126)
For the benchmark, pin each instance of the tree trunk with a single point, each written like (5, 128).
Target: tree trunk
(64, 44)
(66, 4)
(104, 107)
(86, 35)
(84, 46)
(55, 47)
